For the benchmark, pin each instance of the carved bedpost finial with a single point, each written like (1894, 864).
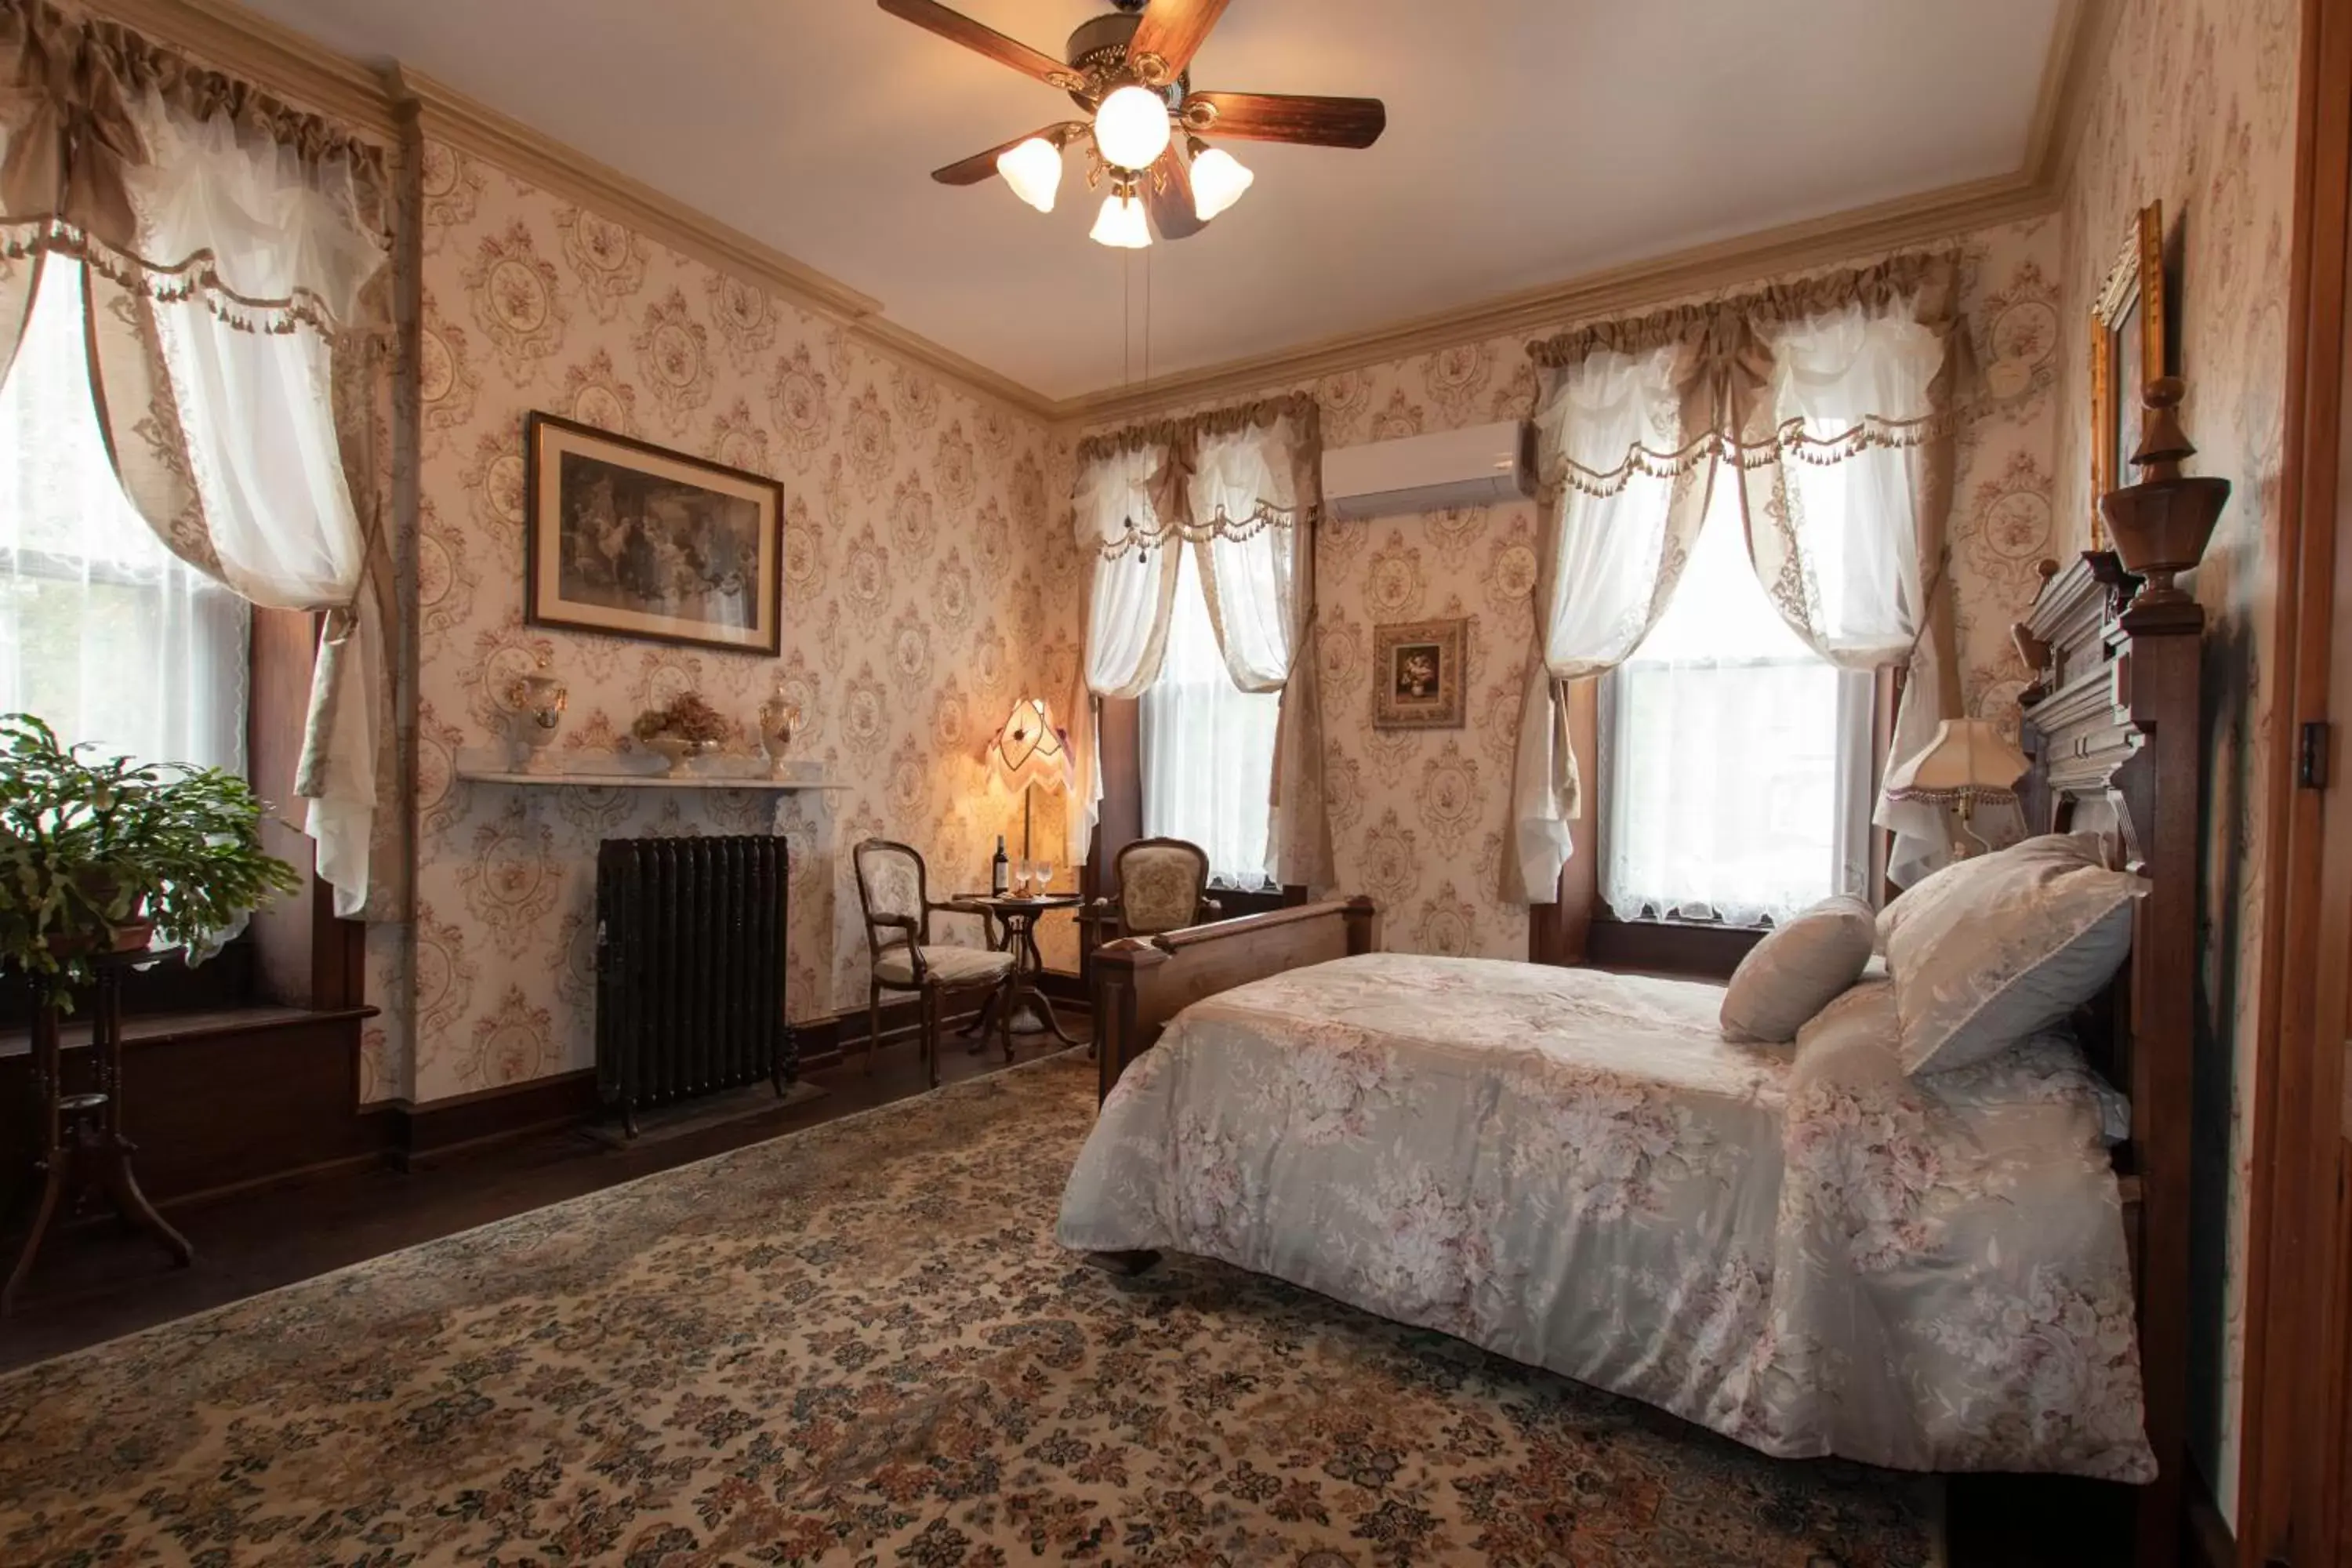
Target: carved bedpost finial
(2162, 524)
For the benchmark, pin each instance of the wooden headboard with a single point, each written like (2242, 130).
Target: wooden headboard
(2112, 727)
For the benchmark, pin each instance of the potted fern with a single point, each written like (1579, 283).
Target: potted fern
(102, 853)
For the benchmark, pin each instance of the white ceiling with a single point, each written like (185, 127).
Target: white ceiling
(1528, 141)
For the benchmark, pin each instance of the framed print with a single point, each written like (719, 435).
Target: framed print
(2128, 351)
(630, 539)
(1417, 675)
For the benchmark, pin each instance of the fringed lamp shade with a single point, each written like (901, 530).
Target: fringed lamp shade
(1970, 767)
(1027, 750)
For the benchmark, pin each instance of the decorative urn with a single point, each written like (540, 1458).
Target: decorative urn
(535, 703)
(780, 720)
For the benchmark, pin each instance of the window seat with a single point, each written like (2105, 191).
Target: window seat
(218, 1100)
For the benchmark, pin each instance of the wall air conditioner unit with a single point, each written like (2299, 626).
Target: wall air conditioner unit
(1483, 466)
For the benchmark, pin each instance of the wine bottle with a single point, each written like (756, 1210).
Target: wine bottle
(1000, 874)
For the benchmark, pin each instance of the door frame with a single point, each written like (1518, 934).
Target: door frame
(2290, 1484)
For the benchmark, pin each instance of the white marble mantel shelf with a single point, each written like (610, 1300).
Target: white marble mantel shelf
(490, 765)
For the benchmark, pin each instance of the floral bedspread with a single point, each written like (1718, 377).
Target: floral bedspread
(1795, 1246)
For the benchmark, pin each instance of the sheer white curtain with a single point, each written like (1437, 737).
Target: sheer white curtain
(1207, 746)
(1735, 760)
(1614, 439)
(1849, 548)
(1128, 594)
(104, 631)
(1252, 497)
(249, 392)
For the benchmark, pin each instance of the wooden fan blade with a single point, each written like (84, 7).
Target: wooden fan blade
(1284, 117)
(958, 28)
(1167, 197)
(980, 166)
(1169, 36)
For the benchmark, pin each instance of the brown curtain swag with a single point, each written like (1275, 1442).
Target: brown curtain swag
(1721, 325)
(66, 86)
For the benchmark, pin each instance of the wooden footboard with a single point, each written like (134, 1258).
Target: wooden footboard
(1146, 981)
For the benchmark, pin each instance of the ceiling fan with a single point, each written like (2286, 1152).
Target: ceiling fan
(1128, 71)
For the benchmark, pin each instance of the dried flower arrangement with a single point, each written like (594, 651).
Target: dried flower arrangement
(686, 717)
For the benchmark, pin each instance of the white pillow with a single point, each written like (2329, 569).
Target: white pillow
(1800, 969)
(1986, 951)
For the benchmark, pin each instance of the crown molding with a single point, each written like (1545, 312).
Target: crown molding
(2077, 51)
(1632, 286)
(446, 115)
(2084, 66)
(276, 58)
(377, 100)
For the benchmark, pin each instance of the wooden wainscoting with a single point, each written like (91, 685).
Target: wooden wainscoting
(218, 1102)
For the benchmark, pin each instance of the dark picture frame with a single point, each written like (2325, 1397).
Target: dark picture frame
(627, 539)
(1418, 674)
(2128, 350)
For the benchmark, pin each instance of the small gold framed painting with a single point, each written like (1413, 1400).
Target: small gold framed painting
(1417, 675)
(635, 541)
(2128, 351)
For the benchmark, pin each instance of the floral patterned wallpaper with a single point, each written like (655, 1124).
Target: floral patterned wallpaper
(924, 592)
(2194, 107)
(1419, 817)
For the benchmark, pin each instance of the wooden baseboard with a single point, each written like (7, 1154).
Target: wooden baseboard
(2210, 1544)
(443, 1129)
(447, 1129)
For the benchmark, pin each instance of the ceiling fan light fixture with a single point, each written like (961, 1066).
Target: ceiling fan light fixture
(1132, 127)
(1218, 181)
(1033, 170)
(1120, 223)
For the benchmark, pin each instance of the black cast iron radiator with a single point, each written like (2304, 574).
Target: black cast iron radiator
(689, 969)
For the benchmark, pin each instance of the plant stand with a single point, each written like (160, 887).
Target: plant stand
(82, 1147)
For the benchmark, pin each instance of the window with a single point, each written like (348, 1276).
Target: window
(104, 631)
(1206, 746)
(1736, 762)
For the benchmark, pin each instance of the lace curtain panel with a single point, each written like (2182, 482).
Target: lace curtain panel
(225, 247)
(1735, 760)
(1826, 407)
(1610, 562)
(1207, 746)
(1851, 550)
(1225, 502)
(103, 633)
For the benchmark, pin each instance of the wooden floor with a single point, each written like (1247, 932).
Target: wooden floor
(94, 1285)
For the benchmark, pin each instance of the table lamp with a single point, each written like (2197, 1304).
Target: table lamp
(1027, 752)
(1968, 765)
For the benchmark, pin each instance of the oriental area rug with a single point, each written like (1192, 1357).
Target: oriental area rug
(859, 1344)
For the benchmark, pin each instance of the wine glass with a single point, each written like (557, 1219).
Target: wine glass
(1045, 869)
(1021, 878)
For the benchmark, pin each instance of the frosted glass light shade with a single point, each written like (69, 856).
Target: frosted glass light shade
(1120, 224)
(1033, 170)
(1132, 127)
(1218, 181)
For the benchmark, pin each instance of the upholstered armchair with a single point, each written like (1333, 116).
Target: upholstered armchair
(894, 892)
(1163, 886)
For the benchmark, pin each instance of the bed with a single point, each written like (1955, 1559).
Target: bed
(1797, 1246)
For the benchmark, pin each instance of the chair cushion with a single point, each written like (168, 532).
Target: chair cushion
(1990, 950)
(947, 965)
(1803, 966)
(1158, 890)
